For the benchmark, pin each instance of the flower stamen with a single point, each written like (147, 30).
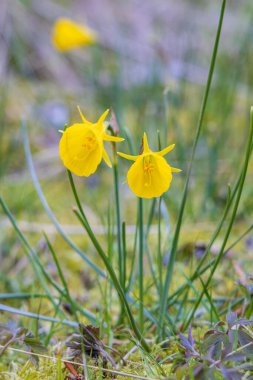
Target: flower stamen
(89, 144)
(148, 168)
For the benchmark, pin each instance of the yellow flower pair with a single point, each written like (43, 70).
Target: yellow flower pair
(82, 150)
(82, 145)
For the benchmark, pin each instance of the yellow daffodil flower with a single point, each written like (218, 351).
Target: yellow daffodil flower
(150, 175)
(68, 35)
(82, 146)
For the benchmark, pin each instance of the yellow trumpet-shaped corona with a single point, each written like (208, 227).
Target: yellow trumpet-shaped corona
(150, 175)
(81, 146)
(67, 35)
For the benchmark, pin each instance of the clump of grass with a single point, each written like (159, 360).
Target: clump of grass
(223, 351)
(151, 314)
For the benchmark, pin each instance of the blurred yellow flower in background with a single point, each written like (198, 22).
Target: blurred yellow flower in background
(67, 35)
(81, 146)
(150, 175)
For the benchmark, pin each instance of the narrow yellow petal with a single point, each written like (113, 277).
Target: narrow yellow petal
(112, 138)
(146, 148)
(128, 156)
(166, 150)
(106, 158)
(175, 170)
(82, 117)
(103, 116)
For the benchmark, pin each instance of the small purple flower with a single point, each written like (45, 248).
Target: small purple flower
(249, 243)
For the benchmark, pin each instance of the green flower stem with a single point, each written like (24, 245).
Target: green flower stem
(149, 257)
(121, 252)
(141, 315)
(147, 251)
(132, 273)
(159, 250)
(114, 279)
(124, 250)
(121, 258)
(73, 188)
(118, 216)
(168, 278)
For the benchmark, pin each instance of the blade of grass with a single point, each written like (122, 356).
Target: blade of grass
(182, 304)
(213, 309)
(62, 278)
(21, 296)
(196, 292)
(170, 102)
(170, 266)
(152, 267)
(249, 310)
(51, 330)
(232, 305)
(40, 317)
(74, 305)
